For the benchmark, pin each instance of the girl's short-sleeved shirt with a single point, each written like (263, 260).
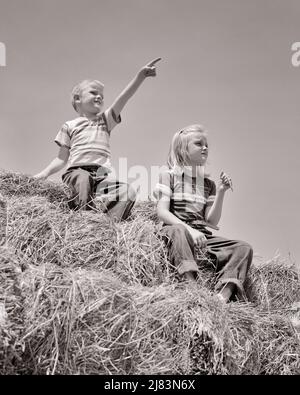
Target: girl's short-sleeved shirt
(189, 196)
(88, 140)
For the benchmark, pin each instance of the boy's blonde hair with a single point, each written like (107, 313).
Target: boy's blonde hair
(178, 153)
(76, 91)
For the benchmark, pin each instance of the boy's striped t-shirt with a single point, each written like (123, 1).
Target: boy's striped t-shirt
(189, 196)
(88, 140)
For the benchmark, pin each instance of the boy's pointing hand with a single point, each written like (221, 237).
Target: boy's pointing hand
(149, 70)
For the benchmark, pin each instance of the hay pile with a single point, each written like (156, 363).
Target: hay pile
(82, 295)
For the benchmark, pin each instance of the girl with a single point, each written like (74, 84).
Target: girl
(188, 204)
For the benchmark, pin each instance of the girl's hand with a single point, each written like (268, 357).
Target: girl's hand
(225, 182)
(198, 237)
(149, 70)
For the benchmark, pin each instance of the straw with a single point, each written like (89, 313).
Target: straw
(80, 294)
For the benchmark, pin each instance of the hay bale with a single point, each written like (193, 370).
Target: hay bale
(88, 241)
(274, 285)
(145, 210)
(142, 256)
(34, 226)
(11, 313)
(80, 294)
(66, 312)
(18, 184)
(80, 321)
(83, 322)
(45, 232)
(3, 220)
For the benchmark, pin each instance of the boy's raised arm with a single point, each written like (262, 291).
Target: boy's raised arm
(57, 164)
(147, 71)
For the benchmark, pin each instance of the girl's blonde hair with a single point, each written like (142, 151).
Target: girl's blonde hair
(178, 153)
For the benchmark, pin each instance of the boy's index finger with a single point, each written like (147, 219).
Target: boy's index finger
(152, 63)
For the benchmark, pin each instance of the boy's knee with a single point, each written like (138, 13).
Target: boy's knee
(127, 192)
(84, 177)
(78, 179)
(131, 192)
(85, 185)
(81, 183)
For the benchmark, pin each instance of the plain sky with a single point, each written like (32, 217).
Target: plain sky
(225, 64)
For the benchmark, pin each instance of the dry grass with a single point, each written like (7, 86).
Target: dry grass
(274, 285)
(11, 313)
(82, 295)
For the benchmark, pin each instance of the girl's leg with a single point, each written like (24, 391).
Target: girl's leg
(181, 250)
(233, 258)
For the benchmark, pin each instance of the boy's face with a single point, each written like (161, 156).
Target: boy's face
(91, 99)
(197, 149)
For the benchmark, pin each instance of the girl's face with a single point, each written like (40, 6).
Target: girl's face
(197, 149)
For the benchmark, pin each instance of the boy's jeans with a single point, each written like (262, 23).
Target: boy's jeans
(232, 257)
(88, 186)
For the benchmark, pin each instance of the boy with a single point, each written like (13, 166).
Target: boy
(84, 145)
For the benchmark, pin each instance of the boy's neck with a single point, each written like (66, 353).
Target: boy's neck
(90, 117)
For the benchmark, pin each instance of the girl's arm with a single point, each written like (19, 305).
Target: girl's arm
(165, 215)
(213, 213)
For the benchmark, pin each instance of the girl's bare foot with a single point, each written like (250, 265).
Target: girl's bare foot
(226, 292)
(221, 298)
